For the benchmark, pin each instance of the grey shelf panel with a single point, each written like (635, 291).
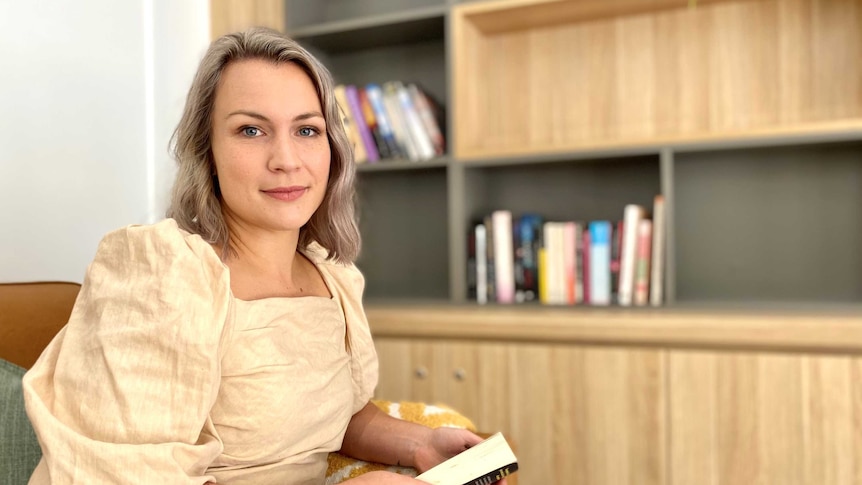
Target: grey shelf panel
(404, 226)
(581, 190)
(769, 224)
(423, 63)
(402, 165)
(407, 27)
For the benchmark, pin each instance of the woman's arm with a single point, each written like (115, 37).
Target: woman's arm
(122, 394)
(373, 435)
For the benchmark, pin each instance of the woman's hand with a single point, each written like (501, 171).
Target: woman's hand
(442, 444)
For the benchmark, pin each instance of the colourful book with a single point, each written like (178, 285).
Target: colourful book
(384, 126)
(631, 217)
(359, 118)
(642, 262)
(350, 128)
(600, 262)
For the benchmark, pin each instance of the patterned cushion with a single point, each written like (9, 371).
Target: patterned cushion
(19, 449)
(342, 467)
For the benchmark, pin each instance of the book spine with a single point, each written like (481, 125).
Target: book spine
(429, 122)
(531, 241)
(616, 248)
(384, 125)
(414, 125)
(585, 260)
(359, 155)
(495, 475)
(642, 273)
(579, 262)
(600, 262)
(658, 249)
(503, 257)
(542, 259)
(399, 125)
(569, 250)
(471, 264)
(371, 122)
(518, 251)
(359, 118)
(489, 258)
(481, 264)
(631, 217)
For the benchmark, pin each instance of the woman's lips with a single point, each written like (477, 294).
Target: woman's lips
(286, 193)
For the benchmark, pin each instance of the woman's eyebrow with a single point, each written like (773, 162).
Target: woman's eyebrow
(248, 113)
(307, 115)
(256, 115)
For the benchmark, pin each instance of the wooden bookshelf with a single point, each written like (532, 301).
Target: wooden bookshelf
(537, 76)
(745, 114)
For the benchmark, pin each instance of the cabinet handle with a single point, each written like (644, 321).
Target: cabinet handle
(421, 372)
(460, 374)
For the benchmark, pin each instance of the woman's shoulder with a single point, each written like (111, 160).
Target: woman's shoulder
(158, 247)
(344, 273)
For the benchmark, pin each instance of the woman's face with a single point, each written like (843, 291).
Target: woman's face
(269, 144)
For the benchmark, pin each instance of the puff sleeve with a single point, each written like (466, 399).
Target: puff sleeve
(123, 392)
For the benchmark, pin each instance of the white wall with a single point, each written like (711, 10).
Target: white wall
(90, 91)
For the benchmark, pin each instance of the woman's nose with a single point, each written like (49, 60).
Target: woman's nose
(284, 156)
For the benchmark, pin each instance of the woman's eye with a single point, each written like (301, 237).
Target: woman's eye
(251, 131)
(308, 131)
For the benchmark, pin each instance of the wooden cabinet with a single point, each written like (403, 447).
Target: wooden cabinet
(660, 397)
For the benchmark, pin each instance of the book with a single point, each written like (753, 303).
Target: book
(373, 126)
(481, 264)
(398, 122)
(642, 262)
(374, 94)
(426, 111)
(349, 123)
(616, 248)
(504, 276)
(658, 245)
(632, 215)
(585, 263)
(569, 265)
(415, 128)
(358, 116)
(600, 262)
(483, 464)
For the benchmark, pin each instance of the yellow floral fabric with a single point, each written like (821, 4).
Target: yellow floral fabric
(342, 467)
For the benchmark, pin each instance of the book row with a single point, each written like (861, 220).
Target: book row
(514, 260)
(391, 121)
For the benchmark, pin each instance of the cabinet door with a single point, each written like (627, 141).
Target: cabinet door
(577, 415)
(745, 418)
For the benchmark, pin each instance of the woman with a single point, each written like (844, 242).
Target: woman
(228, 343)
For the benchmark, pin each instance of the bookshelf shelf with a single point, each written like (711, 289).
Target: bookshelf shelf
(765, 328)
(399, 165)
(416, 25)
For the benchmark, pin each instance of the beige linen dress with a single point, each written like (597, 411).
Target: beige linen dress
(162, 376)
